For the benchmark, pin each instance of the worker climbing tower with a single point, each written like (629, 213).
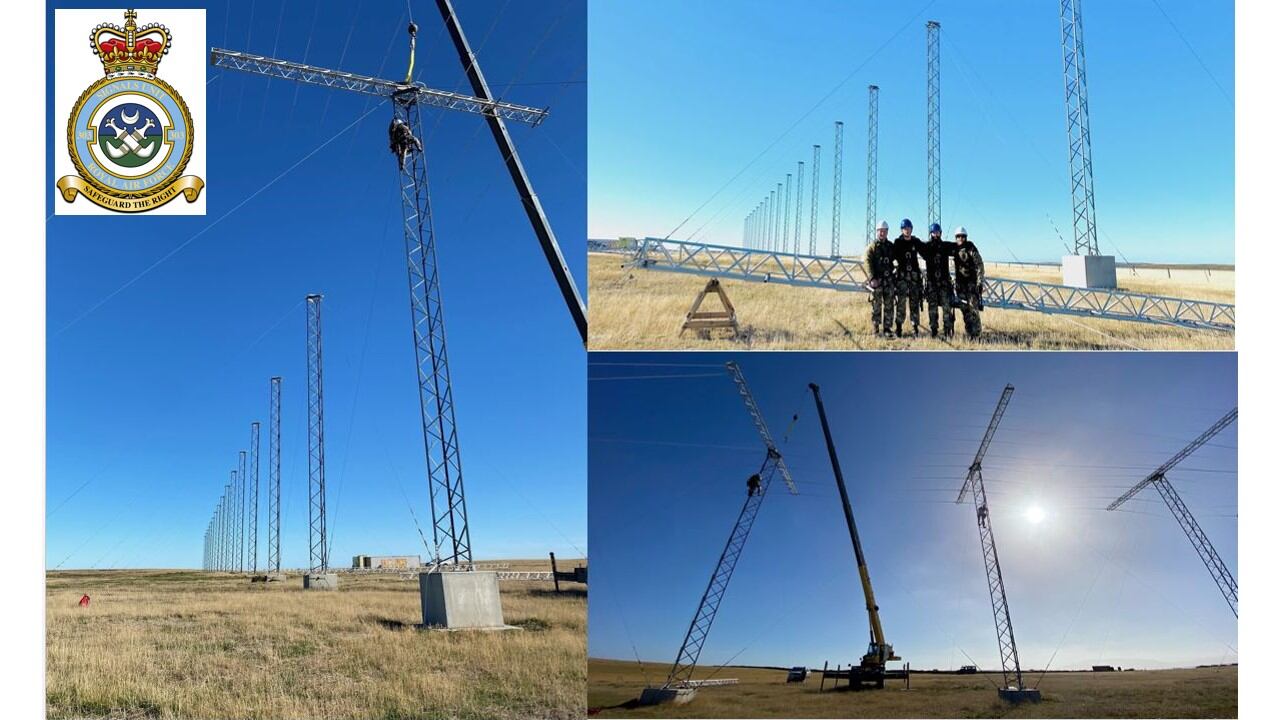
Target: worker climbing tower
(680, 685)
(1013, 689)
(1085, 267)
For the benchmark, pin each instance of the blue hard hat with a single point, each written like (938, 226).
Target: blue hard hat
(935, 228)
(906, 223)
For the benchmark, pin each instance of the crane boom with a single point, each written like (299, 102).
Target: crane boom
(364, 84)
(873, 610)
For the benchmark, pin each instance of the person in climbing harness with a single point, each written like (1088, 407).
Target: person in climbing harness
(753, 485)
(402, 141)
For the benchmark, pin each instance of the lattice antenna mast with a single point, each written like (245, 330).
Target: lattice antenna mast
(778, 224)
(973, 485)
(786, 215)
(838, 161)
(1208, 555)
(691, 648)
(242, 512)
(253, 490)
(318, 537)
(217, 533)
(237, 519)
(813, 202)
(1079, 142)
(795, 248)
(482, 103)
(934, 124)
(873, 157)
(273, 478)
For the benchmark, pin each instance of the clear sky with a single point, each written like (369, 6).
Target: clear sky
(669, 459)
(152, 384)
(687, 96)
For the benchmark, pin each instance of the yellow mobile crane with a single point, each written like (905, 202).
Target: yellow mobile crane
(872, 669)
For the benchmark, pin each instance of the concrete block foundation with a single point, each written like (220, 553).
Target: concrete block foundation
(461, 601)
(659, 696)
(1089, 271)
(1015, 696)
(322, 581)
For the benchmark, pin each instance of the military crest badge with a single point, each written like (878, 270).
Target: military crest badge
(130, 134)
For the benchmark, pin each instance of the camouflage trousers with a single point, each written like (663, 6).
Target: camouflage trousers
(907, 292)
(969, 297)
(882, 308)
(939, 298)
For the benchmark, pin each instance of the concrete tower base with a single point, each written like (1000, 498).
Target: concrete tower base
(1089, 271)
(659, 696)
(321, 581)
(1015, 696)
(461, 601)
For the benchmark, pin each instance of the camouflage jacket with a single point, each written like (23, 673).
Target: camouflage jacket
(879, 260)
(937, 267)
(969, 269)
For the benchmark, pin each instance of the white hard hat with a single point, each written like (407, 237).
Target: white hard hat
(883, 225)
(961, 231)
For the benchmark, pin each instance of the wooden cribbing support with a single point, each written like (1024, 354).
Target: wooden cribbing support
(707, 320)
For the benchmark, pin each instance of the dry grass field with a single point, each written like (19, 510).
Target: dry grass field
(643, 310)
(1204, 692)
(182, 644)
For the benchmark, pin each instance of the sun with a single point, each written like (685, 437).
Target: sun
(1035, 514)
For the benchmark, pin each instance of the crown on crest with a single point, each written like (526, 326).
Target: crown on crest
(130, 49)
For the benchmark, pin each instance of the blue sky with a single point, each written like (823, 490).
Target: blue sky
(686, 95)
(152, 384)
(669, 458)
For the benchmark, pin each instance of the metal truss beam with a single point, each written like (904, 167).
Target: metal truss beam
(873, 159)
(253, 490)
(317, 530)
(847, 274)
(286, 70)
(1079, 141)
(973, 484)
(1208, 555)
(691, 647)
(838, 161)
(934, 120)
(449, 529)
(273, 478)
(813, 201)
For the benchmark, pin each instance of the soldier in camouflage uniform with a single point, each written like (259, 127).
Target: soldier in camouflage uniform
(970, 274)
(938, 289)
(907, 278)
(879, 265)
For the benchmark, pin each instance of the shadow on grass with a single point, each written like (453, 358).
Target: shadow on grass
(574, 592)
(631, 704)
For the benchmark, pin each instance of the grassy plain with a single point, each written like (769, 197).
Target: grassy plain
(183, 644)
(634, 309)
(763, 693)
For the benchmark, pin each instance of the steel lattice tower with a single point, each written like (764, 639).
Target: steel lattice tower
(449, 529)
(1208, 555)
(873, 157)
(253, 489)
(1009, 664)
(795, 249)
(777, 221)
(1079, 143)
(786, 216)
(813, 202)
(242, 512)
(315, 438)
(768, 227)
(934, 99)
(237, 521)
(273, 479)
(691, 648)
(838, 161)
